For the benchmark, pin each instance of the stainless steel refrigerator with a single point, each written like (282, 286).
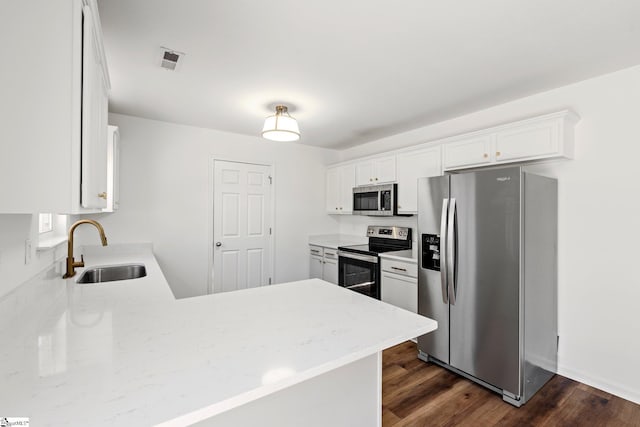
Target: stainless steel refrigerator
(488, 275)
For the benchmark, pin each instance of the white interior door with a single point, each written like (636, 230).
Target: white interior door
(242, 230)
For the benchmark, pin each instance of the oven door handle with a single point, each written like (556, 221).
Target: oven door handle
(360, 285)
(367, 258)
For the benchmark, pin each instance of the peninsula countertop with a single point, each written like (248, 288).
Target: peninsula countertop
(128, 353)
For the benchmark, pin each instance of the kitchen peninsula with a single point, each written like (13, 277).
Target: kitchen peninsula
(128, 353)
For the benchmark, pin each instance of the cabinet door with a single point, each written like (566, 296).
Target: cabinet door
(113, 169)
(347, 182)
(468, 152)
(94, 120)
(400, 291)
(364, 173)
(330, 270)
(411, 166)
(333, 190)
(524, 142)
(315, 267)
(384, 170)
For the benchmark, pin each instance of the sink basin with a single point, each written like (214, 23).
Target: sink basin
(113, 273)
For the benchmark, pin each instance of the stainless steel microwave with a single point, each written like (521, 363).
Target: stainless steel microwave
(375, 200)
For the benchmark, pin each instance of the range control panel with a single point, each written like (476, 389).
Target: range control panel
(398, 233)
(431, 251)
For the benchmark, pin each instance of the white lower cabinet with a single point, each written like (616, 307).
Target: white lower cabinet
(323, 263)
(330, 266)
(399, 284)
(315, 267)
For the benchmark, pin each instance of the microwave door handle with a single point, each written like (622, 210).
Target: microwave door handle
(443, 250)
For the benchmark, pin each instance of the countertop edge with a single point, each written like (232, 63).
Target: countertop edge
(396, 257)
(255, 394)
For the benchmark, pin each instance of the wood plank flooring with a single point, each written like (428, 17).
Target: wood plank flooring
(416, 393)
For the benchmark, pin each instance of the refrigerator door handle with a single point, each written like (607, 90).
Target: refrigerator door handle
(451, 251)
(443, 251)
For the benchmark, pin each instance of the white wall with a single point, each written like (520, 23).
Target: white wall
(14, 230)
(599, 222)
(165, 197)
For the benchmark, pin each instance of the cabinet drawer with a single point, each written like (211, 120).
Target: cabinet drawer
(330, 253)
(315, 250)
(399, 267)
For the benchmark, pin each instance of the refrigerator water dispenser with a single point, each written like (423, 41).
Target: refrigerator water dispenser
(431, 251)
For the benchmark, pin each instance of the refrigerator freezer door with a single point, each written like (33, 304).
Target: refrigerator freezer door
(432, 296)
(484, 322)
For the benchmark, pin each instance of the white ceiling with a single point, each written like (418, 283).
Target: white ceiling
(354, 71)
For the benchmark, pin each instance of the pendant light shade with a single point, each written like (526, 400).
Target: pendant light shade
(281, 126)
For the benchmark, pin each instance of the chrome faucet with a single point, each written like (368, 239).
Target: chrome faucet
(71, 263)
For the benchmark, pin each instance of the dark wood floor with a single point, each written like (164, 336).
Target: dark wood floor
(415, 393)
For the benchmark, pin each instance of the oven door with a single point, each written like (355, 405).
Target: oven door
(360, 273)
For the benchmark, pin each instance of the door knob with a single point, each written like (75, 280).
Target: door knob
(218, 244)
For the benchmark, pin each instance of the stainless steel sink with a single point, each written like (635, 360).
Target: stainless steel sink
(113, 273)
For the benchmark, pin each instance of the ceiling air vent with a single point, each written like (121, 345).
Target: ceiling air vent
(170, 59)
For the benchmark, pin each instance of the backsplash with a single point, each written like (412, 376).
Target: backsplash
(357, 224)
(14, 231)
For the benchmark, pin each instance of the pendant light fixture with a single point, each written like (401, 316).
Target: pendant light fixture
(281, 126)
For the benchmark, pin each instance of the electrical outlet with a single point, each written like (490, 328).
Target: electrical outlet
(27, 251)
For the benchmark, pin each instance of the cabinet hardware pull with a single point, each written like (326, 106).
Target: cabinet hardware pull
(376, 179)
(340, 208)
(485, 155)
(103, 195)
(399, 269)
(370, 179)
(336, 208)
(497, 153)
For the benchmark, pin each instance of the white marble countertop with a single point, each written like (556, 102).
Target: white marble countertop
(408, 255)
(128, 353)
(334, 240)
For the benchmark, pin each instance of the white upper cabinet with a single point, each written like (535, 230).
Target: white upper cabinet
(543, 137)
(468, 152)
(54, 112)
(333, 190)
(528, 141)
(376, 171)
(113, 169)
(347, 182)
(411, 166)
(339, 191)
(95, 101)
(537, 138)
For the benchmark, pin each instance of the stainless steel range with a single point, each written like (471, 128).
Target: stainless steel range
(359, 265)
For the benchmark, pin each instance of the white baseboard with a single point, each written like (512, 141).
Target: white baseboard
(599, 383)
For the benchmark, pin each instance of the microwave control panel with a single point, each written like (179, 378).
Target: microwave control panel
(431, 252)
